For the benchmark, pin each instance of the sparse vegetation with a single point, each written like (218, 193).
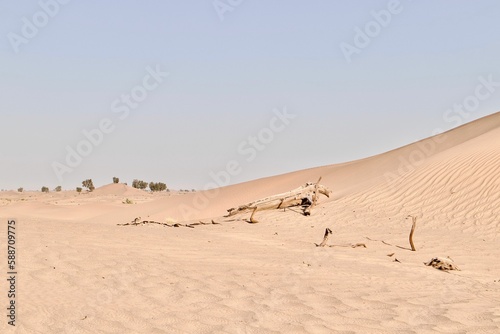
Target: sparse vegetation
(78, 189)
(116, 180)
(58, 188)
(88, 184)
(138, 184)
(127, 201)
(45, 190)
(159, 186)
(20, 190)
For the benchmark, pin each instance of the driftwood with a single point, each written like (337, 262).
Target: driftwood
(412, 232)
(329, 232)
(413, 227)
(442, 264)
(138, 221)
(306, 196)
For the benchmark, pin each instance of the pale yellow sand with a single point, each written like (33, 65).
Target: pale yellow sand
(81, 273)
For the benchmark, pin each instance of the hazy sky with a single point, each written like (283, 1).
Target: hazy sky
(358, 77)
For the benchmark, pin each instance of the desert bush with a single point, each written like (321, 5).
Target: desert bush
(58, 188)
(159, 186)
(88, 184)
(78, 189)
(116, 180)
(20, 190)
(45, 190)
(127, 201)
(138, 184)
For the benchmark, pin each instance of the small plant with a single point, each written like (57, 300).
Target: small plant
(45, 190)
(159, 186)
(127, 201)
(138, 184)
(116, 180)
(88, 184)
(78, 189)
(58, 188)
(20, 190)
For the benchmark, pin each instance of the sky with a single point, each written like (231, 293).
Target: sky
(197, 93)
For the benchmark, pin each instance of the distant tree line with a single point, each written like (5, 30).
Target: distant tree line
(138, 184)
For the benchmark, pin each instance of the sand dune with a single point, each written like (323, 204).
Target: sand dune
(118, 190)
(81, 273)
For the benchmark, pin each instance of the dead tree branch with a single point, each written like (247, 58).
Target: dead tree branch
(413, 227)
(328, 232)
(139, 222)
(306, 197)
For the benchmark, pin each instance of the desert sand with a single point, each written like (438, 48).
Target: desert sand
(79, 272)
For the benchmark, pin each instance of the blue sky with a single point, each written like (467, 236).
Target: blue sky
(225, 78)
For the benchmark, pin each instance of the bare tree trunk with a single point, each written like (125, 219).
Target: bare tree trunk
(306, 196)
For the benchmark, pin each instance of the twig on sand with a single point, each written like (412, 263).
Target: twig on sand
(413, 227)
(138, 221)
(329, 232)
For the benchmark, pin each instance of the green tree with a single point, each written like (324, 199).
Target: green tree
(138, 184)
(116, 180)
(88, 184)
(58, 188)
(45, 190)
(158, 186)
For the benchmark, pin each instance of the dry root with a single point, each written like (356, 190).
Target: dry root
(138, 222)
(329, 232)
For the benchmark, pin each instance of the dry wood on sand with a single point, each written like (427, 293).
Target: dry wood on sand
(305, 196)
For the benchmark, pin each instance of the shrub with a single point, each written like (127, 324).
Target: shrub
(58, 188)
(116, 180)
(20, 190)
(127, 201)
(138, 184)
(78, 189)
(88, 184)
(45, 190)
(159, 186)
